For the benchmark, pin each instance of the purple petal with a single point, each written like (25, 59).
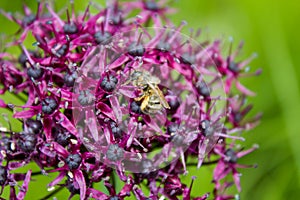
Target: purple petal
(60, 150)
(2, 104)
(26, 113)
(116, 107)
(24, 187)
(91, 192)
(66, 123)
(79, 178)
(105, 109)
(61, 175)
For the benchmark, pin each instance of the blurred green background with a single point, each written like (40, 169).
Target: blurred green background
(271, 29)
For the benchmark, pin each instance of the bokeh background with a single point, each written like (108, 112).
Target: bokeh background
(271, 28)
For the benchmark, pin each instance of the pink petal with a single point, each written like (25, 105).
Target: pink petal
(2, 104)
(57, 179)
(116, 107)
(243, 89)
(91, 192)
(79, 178)
(26, 113)
(66, 123)
(105, 109)
(24, 187)
(60, 150)
(236, 179)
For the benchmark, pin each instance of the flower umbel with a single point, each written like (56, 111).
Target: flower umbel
(108, 100)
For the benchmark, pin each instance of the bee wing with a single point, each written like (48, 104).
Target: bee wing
(160, 95)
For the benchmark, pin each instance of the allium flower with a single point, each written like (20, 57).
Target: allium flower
(108, 99)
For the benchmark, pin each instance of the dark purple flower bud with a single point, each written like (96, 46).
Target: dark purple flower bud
(3, 175)
(135, 107)
(61, 136)
(85, 98)
(172, 128)
(70, 78)
(178, 139)
(109, 83)
(6, 143)
(173, 103)
(203, 89)
(73, 161)
(115, 129)
(35, 72)
(163, 46)
(237, 116)
(114, 198)
(27, 20)
(27, 142)
(147, 168)
(61, 50)
(206, 127)
(71, 187)
(114, 153)
(23, 58)
(231, 156)
(116, 19)
(136, 49)
(70, 28)
(49, 105)
(34, 126)
(151, 5)
(233, 66)
(188, 59)
(102, 38)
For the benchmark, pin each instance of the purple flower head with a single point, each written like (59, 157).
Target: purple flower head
(109, 100)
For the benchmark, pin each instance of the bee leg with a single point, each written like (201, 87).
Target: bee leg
(139, 98)
(145, 103)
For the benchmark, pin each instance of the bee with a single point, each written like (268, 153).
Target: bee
(151, 97)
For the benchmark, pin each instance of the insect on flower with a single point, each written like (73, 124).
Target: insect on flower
(152, 97)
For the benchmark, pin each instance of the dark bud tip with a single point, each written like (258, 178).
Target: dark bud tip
(27, 20)
(114, 198)
(102, 38)
(85, 98)
(35, 72)
(3, 175)
(62, 50)
(233, 66)
(49, 105)
(174, 104)
(73, 161)
(34, 126)
(163, 46)
(27, 142)
(61, 136)
(108, 84)
(188, 59)
(206, 128)
(135, 107)
(172, 128)
(70, 28)
(231, 156)
(72, 189)
(70, 78)
(203, 89)
(23, 58)
(115, 129)
(151, 5)
(114, 153)
(136, 50)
